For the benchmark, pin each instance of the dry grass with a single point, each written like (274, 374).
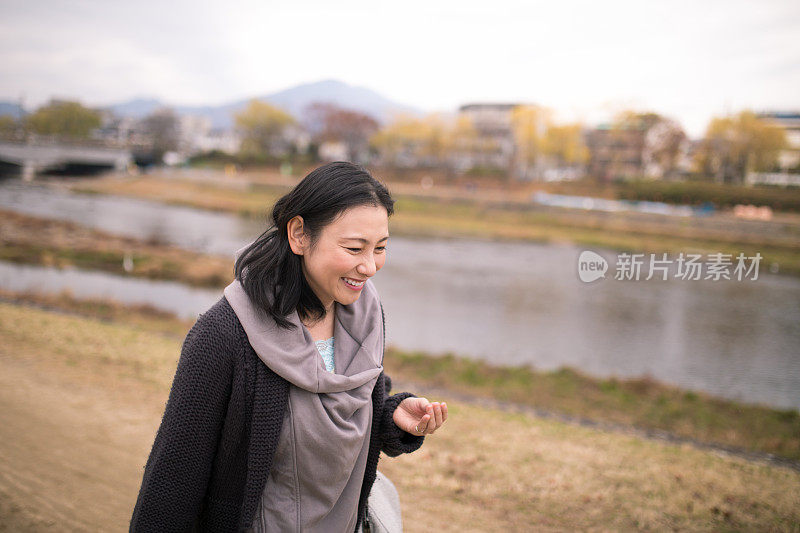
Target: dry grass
(231, 196)
(486, 470)
(99, 348)
(32, 240)
(490, 471)
(140, 316)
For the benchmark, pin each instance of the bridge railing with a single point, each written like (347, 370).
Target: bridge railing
(58, 140)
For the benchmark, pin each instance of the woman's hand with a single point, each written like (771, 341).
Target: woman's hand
(418, 416)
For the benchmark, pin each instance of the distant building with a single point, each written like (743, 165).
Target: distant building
(493, 125)
(219, 140)
(118, 131)
(616, 152)
(642, 146)
(192, 134)
(192, 131)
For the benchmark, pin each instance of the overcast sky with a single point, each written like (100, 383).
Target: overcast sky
(586, 59)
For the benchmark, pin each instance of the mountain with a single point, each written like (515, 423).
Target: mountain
(293, 100)
(11, 109)
(137, 108)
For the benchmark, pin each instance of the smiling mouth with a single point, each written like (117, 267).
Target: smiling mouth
(354, 283)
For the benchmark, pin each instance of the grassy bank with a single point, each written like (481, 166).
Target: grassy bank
(640, 403)
(143, 317)
(694, 193)
(30, 240)
(417, 215)
(486, 470)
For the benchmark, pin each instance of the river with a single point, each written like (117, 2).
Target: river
(509, 303)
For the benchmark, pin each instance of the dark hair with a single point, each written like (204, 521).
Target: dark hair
(269, 267)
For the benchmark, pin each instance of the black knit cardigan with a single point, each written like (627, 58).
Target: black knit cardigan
(213, 451)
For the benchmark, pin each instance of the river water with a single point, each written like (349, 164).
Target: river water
(507, 303)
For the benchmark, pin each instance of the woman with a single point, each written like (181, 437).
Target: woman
(279, 408)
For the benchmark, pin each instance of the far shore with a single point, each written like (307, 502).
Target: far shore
(484, 213)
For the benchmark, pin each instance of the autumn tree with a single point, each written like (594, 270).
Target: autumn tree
(7, 125)
(456, 144)
(464, 138)
(63, 118)
(262, 127)
(439, 138)
(402, 141)
(529, 125)
(738, 144)
(331, 123)
(565, 144)
(432, 140)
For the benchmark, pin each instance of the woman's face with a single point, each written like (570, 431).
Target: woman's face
(349, 250)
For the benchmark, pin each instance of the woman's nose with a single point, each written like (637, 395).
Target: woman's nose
(367, 266)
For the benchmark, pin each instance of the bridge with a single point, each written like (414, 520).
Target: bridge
(34, 158)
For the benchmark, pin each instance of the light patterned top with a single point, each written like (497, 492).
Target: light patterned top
(326, 351)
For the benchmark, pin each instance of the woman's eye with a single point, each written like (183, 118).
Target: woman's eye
(378, 249)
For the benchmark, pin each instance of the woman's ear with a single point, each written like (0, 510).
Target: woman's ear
(297, 238)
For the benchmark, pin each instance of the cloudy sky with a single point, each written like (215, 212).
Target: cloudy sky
(586, 59)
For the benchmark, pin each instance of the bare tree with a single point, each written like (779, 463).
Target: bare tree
(161, 128)
(329, 122)
(736, 145)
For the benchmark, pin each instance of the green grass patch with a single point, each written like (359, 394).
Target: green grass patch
(643, 403)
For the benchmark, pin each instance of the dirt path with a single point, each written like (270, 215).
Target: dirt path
(72, 447)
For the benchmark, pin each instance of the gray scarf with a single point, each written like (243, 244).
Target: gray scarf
(326, 434)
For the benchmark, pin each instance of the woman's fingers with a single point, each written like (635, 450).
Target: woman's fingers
(422, 424)
(437, 414)
(430, 424)
(433, 425)
(422, 404)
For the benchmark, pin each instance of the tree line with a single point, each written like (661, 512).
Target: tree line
(731, 147)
